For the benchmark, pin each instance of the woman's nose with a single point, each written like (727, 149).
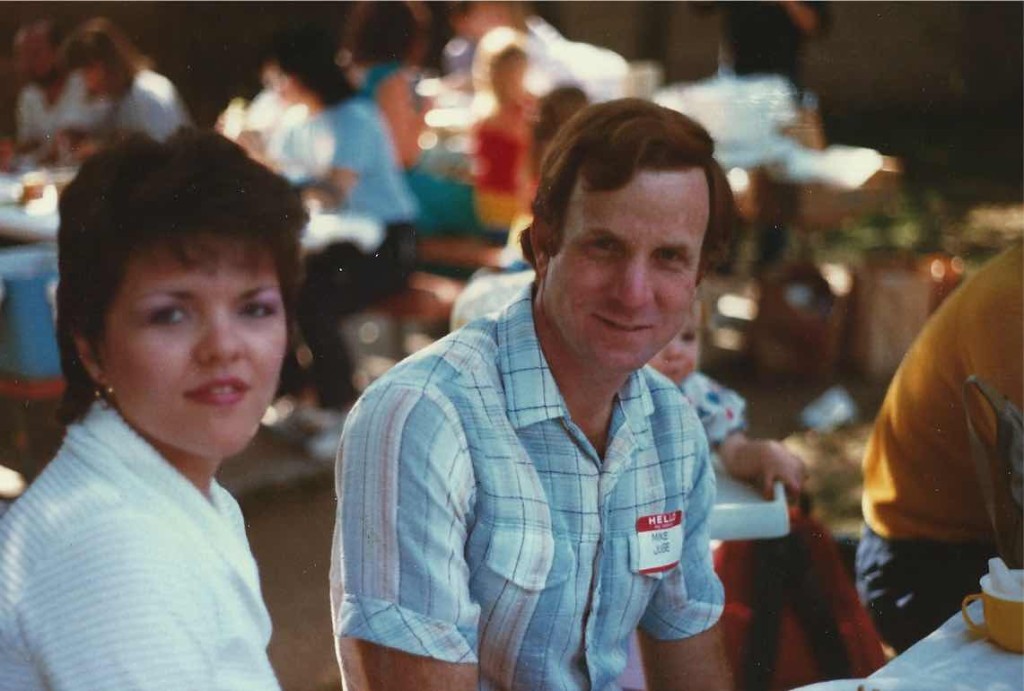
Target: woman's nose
(220, 341)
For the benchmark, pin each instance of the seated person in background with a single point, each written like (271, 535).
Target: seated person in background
(53, 100)
(342, 150)
(927, 536)
(501, 137)
(253, 124)
(470, 22)
(114, 70)
(722, 413)
(384, 47)
(554, 109)
(498, 492)
(125, 563)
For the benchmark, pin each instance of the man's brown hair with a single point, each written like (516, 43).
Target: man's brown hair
(603, 147)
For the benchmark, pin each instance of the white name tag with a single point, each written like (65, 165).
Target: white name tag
(660, 537)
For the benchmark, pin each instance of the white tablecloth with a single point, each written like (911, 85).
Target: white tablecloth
(20, 226)
(950, 658)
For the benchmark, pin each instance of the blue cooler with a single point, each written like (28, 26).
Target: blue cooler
(28, 283)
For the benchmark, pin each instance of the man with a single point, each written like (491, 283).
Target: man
(768, 37)
(516, 499)
(52, 100)
(927, 537)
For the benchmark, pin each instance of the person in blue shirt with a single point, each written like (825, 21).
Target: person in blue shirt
(519, 497)
(339, 152)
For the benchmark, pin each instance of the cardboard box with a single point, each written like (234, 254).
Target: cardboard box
(894, 294)
(799, 325)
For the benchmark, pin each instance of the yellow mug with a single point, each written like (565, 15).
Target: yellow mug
(1004, 619)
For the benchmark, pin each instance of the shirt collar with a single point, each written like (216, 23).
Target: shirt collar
(531, 394)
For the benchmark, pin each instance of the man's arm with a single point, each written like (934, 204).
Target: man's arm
(697, 662)
(366, 666)
(403, 614)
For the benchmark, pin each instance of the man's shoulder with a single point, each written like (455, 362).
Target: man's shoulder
(662, 389)
(466, 357)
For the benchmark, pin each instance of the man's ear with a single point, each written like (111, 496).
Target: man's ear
(89, 359)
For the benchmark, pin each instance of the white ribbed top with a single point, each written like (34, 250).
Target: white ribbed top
(117, 573)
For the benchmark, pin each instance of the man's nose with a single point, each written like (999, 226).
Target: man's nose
(634, 284)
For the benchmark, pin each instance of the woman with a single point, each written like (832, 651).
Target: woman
(501, 136)
(125, 564)
(341, 145)
(384, 46)
(341, 151)
(114, 69)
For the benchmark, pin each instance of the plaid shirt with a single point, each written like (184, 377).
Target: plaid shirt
(477, 524)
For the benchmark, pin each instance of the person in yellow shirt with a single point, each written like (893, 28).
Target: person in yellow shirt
(927, 537)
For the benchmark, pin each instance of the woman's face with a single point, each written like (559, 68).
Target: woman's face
(287, 88)
(192, 353)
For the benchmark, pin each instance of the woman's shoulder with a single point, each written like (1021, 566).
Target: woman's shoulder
(70, 522)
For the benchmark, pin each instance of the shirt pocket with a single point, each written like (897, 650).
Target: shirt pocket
(531, 558)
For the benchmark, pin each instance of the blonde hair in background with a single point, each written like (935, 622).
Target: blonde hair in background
(498, 48)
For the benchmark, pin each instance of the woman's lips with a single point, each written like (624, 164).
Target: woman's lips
(218, 392)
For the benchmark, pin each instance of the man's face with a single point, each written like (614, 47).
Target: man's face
(623, 281)
(34, 58)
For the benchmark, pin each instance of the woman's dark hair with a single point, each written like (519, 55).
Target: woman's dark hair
(309, 54)
(188, 195)
(387, 32)
(603, 147)
(100, 41)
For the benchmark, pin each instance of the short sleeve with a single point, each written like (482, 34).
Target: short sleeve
(355, 137)
(399, 576)
(120, 606)
(689, 599)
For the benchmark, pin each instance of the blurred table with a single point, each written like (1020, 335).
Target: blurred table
(38, 221)
(950, 658)
(17, 225)
(814, 191)
(23, 223)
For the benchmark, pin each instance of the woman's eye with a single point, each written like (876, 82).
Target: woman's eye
(167, 316)
(259, 309)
